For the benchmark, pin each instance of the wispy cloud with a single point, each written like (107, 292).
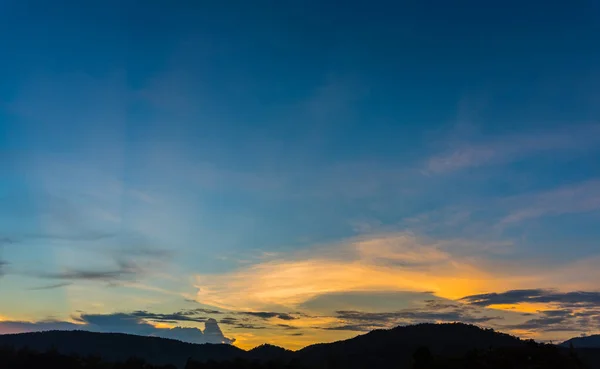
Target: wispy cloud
(268, 315)
(180, 316)
(360, 321)
(3, 264)
(51, 286)
(535, 296)
(124, 271)
(129, 264)
(577, 198)
(548, 323)
(505, 149)
(551, 310)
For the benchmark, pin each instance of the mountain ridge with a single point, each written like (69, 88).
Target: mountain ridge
(592, 341)
(375, 349)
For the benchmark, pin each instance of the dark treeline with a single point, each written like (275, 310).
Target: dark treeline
(421, 346)
(530, 356)
(25, 358)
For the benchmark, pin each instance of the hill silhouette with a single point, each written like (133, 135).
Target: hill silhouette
(267, 352)
(379, 347)
(583, 342)
(429, 346)
(120, 347)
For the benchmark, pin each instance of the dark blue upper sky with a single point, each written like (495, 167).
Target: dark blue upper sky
(230, 131)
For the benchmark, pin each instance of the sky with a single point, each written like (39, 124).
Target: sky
(299, 171)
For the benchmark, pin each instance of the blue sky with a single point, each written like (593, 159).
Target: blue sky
(297, 156)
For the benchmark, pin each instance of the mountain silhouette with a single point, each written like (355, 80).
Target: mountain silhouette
(267, 352)
(379, 347)
(455, 345)
(120, 346)
(583, 342)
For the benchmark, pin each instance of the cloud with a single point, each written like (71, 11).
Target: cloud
(197, 315)
(213, 333)
(6, 240)
(268, 315)
(182, 316)
(164, 325)
(578, 198)
(535, 296)
(366, 301)
(553, 311)
(566, 320)
(509, 148)
(117, 323)
(440, 305)
(544, 324)
(363, 264)
(378, 281)
(131, 323)
(130, 263)
(229, 320)
(207, 311)
(82, 236)
(123, 272)
(414, 316)
(73, 211)
(287, 326)
(249, 326)
(136, 323)
(3, 265)
(365, 321)
(353, 327)
(51, 286)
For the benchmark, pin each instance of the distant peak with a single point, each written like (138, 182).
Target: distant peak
(267, 347)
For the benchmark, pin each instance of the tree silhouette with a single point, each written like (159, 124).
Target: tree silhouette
(422, 358)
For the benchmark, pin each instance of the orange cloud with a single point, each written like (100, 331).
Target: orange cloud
(390, 262)
(387, 263)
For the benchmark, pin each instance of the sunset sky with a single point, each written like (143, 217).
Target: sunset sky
(299, 171)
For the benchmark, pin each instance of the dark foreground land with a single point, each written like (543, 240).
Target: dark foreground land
(423, 346)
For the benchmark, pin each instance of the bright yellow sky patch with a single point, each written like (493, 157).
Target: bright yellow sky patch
(525, 307)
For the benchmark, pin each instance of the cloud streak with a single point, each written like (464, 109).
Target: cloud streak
(51, 286)
(578, 198)
(269, 315)
(509, 148)
(3, 265)
(123, 272)
(535, 296)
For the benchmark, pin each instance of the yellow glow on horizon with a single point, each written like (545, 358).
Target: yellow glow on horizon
(248, 340)
(524, 333)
